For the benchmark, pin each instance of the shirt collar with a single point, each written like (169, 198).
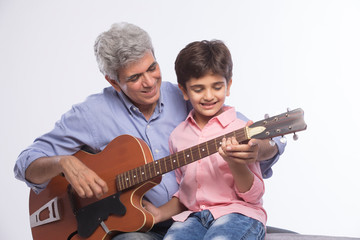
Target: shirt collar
(225, 118)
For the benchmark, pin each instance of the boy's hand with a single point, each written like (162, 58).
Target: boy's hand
(233, 152)
(254, 150)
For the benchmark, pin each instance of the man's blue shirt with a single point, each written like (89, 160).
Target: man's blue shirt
(91, 125)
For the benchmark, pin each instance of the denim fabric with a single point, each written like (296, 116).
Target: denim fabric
(202, 225)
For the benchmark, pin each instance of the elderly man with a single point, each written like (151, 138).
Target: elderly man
(138, 103)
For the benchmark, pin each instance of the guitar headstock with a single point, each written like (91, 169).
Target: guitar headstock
(280, 125)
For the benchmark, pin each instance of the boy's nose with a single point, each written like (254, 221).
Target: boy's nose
(208, 95)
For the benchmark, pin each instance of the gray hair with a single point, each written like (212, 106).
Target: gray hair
(122, 44)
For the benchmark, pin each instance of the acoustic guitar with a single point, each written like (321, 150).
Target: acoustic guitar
(127, 166)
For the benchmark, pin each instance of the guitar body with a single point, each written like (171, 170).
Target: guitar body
(126, 163)
(122, 154)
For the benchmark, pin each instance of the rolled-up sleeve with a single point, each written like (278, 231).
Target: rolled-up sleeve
(255, 193)
(266, 165)
(66, 138)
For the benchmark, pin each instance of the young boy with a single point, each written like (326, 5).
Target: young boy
(220, 195)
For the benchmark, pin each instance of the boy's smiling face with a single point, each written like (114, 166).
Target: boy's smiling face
(207, 95)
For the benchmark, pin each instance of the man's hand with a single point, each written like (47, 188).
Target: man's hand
(153, 210)
(84, 181)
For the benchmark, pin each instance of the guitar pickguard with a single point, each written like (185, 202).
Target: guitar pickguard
(91, 216)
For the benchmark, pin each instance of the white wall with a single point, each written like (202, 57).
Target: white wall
(286, 54)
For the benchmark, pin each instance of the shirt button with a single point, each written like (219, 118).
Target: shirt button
(156, 150)
(202, 206)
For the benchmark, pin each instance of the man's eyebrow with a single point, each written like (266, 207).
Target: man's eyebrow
(133, 76)
(139, 74)
(152, 65)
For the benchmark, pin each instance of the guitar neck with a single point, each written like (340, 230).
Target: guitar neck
(161, 166)
(280, 125)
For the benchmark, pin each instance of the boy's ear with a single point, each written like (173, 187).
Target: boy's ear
(113, 83)
(228, 87)
(184, 92)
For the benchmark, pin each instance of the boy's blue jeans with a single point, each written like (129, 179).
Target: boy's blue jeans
(202, 225)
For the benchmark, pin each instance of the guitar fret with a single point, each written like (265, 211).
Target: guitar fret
(147, 171)
(136, 176)
(143, 173)
(199, 152)
(195, 154)
(187, 155)
(207, 148)
(133, 176)
(127, 179)
(157, 171)
(184, 158)
(162, 166)
(151, 171)
(118, 183)
(171, 161)
(165, 164)
(122, 181)
(130, 178)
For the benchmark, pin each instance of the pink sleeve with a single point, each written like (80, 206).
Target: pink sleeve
(255, 193)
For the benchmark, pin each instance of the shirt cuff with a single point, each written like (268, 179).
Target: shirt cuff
(266, 165)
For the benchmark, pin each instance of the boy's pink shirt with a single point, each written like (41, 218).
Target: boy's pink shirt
(208, 183)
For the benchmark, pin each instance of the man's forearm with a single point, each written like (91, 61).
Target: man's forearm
(43, 169)
(267, 151)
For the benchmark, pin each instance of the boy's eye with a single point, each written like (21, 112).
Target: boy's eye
(197, 90)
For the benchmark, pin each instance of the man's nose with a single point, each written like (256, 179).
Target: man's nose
(148, 80)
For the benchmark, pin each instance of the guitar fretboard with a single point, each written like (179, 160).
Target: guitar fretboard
(156, 168)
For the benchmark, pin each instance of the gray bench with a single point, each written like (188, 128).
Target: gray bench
(273, 233)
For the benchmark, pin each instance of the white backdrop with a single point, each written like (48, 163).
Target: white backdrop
(286, 54)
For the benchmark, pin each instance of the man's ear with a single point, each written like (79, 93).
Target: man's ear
(228, 87)
(113, 83)
(184, 92)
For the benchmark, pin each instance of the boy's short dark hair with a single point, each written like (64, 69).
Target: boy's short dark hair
(203, 57)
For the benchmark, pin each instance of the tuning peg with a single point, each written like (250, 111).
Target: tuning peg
(283, 140)
(295, 137)
(272, 142)
(266, 116)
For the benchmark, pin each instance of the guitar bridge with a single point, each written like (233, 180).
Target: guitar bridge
(53, 214)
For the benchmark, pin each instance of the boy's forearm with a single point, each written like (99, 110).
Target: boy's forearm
(243, 177)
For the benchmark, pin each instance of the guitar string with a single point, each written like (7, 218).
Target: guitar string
(130, 178)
